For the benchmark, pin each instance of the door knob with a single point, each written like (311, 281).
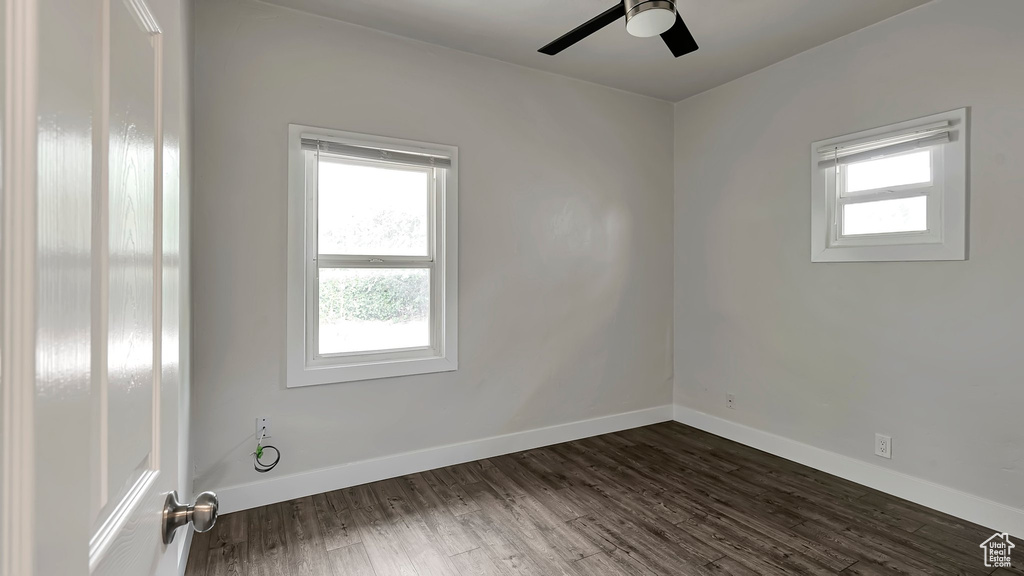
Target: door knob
(202, 514)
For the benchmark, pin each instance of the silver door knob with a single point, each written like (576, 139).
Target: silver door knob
(202, 514)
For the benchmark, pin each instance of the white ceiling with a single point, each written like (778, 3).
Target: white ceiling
(736, 37)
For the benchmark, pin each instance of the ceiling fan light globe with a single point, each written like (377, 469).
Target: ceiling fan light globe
(649, 18)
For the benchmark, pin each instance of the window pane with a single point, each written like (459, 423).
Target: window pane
(366, 309)
(886, 216)
(368, 208)
(914, 168)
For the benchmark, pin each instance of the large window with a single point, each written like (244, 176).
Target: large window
(372, 257)
(893, 193)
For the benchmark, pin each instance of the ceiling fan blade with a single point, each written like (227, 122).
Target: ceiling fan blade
(593, 25)
(678, 38)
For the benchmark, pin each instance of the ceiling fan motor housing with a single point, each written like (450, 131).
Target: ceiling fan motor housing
(645, 18)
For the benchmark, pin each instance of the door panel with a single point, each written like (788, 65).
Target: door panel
(130, 383)
(132, 476)
(64, 187)
(91, 276)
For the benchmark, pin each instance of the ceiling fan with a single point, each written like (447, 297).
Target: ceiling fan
(644, 18)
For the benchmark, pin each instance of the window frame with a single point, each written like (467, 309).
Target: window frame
(837, 199)
(946, 196)
(305, 365)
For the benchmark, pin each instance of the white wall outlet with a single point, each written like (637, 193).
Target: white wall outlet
(883, 446)
(730, 401)
(262, 423)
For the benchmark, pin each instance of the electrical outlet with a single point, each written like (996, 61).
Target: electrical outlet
(883, 446)
(730, 401)
(262, 423)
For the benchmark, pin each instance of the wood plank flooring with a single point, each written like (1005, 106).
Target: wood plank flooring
(663, 499)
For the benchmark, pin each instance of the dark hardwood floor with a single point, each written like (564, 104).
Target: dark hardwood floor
(664, 499)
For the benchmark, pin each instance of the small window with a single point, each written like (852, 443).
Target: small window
(372, 257)
(893, 193)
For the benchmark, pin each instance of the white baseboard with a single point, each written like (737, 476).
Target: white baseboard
(252, 495)
(960, 504)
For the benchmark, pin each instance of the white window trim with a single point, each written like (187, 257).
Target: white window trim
(303, 369)
(946, 238)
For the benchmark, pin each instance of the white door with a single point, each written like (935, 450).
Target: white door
(94, 299)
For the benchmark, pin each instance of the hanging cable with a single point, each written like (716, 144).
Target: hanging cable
(257, 456)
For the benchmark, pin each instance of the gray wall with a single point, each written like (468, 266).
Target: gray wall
(565, 241)
(829, 354)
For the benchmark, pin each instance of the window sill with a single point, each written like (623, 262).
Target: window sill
(299, 376)
(889, 253)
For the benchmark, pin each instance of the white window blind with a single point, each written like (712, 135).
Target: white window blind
(859, 150)
(379, 154)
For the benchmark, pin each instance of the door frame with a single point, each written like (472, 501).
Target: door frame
(17, 351)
